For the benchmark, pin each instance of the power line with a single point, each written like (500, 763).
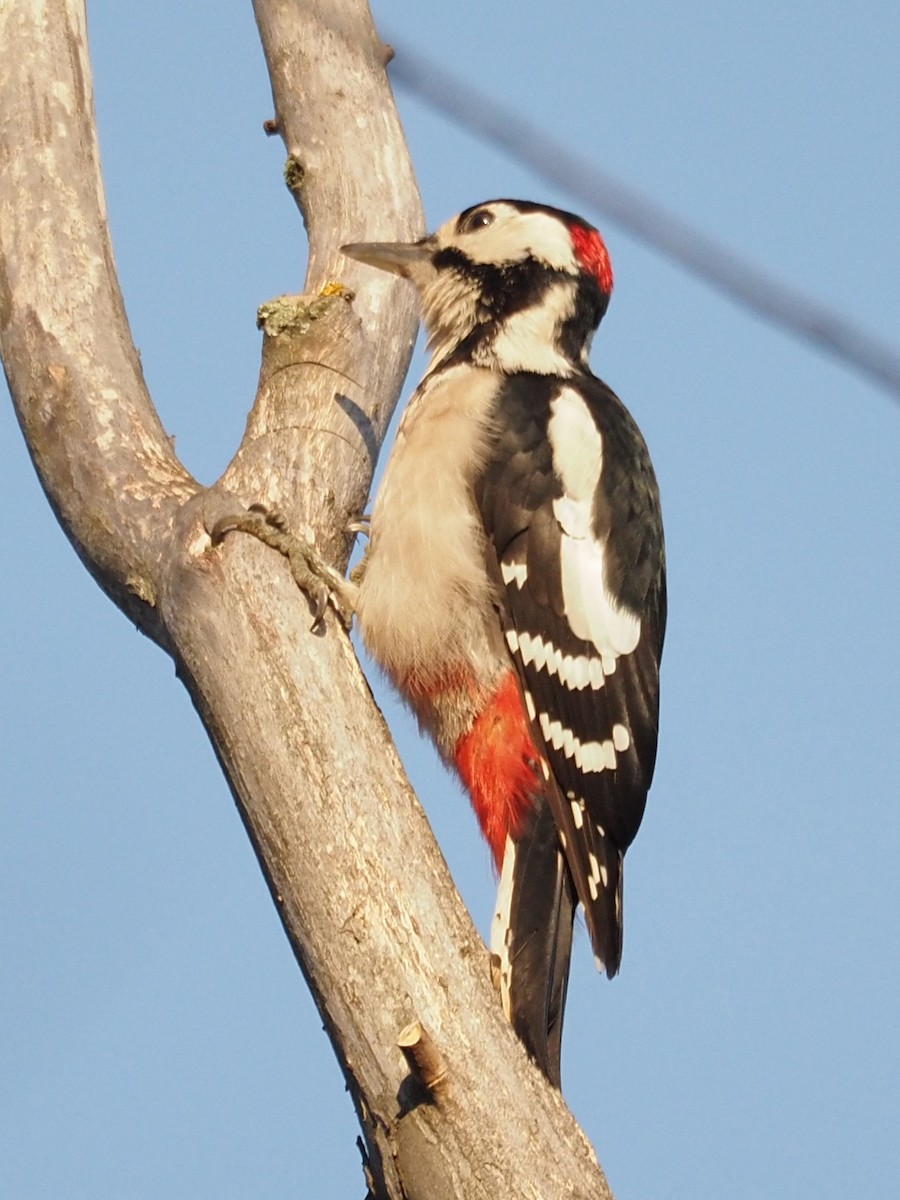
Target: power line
(711, 261)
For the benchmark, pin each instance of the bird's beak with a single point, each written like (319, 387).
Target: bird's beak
(400, 258)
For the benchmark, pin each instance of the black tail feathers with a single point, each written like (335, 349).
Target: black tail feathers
(532, 939)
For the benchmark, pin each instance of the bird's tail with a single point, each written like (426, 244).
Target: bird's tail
(531, 938)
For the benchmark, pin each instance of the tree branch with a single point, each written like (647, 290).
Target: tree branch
(348, 169)
(97, 444)
(362, 890)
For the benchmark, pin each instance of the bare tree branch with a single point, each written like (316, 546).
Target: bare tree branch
(75, 377)
(364, 895)
(348, 169)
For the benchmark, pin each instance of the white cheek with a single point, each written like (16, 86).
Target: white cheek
(514, 236)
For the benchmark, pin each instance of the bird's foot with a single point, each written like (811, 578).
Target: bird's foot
(312, 574)
(361, 524)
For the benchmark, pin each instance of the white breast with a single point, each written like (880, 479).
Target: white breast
(426, 602)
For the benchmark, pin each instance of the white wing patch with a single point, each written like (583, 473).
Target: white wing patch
(576, 671)
(577, 447)
(514, 572)
(594, 877)
(591, 611)
(589, 757)
(621, 737)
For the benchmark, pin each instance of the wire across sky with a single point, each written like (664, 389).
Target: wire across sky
(786, 307)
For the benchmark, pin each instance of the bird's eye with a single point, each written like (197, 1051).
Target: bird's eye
(476, 219)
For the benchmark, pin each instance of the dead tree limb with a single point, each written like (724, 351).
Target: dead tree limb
(374, 920)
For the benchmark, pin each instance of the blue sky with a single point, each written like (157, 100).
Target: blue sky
(157, 1037)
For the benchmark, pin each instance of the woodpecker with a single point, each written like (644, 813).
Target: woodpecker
(513, 588)
(514, 585)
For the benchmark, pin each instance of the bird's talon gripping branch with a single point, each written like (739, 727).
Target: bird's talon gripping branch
(360, 524)
(271, 516)
(317, 579)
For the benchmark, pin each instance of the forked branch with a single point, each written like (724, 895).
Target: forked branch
(363, 893)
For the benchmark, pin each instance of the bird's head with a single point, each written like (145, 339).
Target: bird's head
(507, 284)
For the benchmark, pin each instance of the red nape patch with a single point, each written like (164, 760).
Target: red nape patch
(498, 763)
(592, 254)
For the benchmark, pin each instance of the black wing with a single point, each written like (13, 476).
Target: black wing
(570, 505)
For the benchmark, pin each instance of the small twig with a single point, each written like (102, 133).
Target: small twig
(371, 1193)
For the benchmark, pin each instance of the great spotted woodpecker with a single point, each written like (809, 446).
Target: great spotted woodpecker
(514, 585)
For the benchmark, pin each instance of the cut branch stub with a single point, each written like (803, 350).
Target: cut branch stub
(423, 1057)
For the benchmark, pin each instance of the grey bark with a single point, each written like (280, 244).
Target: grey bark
(374, 920)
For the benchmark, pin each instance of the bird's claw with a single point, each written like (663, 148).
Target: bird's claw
(361, 524)
(255, 519)
(319, 581)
